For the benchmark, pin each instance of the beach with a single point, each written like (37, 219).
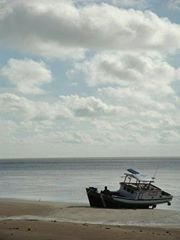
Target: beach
(21, 219)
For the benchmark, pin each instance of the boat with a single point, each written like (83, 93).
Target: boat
(136, 191)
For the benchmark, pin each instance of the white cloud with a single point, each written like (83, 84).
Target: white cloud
(125, 69)
(16, 108)
(88, 106)
(141, 86)
(27, 75)
(128, 2)
(142, 103)
(121, 3)
(152, 116)
(7, 130)
(67, 119)
(174, 4)
(60, 29)
(87, 120)
(39, 27)
(20, 108)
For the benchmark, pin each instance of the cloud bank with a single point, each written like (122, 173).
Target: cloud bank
(60, 29)
(121, 60)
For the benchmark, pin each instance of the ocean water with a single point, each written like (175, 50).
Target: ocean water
(65, 180)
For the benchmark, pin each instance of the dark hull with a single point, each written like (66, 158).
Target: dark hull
(94, 197)
(110, 200)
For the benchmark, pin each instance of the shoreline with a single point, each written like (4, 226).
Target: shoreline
(26, 219)
(83, 213)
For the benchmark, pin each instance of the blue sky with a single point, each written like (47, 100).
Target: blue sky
(89, 78)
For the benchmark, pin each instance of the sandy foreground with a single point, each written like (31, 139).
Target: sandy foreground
(44, 220)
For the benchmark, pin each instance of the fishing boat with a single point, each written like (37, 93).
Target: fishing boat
(136, 191)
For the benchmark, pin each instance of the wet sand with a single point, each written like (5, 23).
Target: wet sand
(44, 220)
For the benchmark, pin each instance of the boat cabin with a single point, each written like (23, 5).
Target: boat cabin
(138, 186)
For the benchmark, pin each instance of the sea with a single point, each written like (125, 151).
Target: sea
(65, 179)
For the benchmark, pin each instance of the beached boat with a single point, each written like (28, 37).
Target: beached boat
(136, 191)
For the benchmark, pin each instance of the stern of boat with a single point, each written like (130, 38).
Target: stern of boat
(94, 197)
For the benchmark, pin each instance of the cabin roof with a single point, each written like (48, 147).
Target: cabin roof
(138, 176)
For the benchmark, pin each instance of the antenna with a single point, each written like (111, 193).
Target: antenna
(155, 172)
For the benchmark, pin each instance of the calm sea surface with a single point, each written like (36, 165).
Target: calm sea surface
(65, 180)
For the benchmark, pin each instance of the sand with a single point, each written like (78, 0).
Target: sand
(44, 220)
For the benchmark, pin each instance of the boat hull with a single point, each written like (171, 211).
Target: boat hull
(110, 200)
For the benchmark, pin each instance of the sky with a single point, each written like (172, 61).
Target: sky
(89, 78)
